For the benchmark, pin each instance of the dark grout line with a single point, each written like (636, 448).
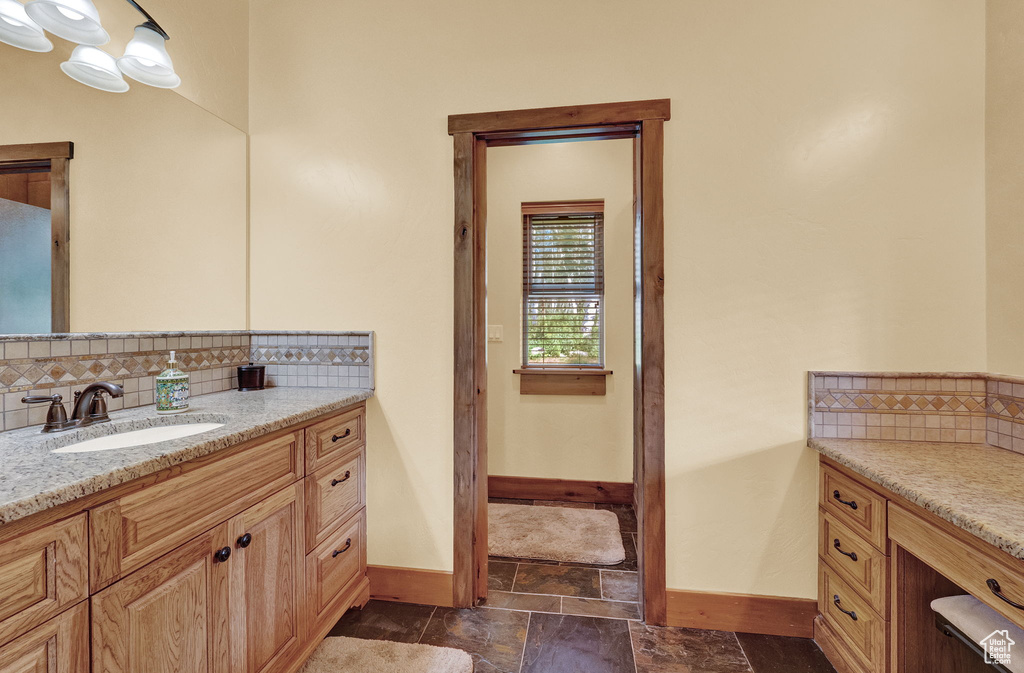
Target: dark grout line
(750, 667)
(426, 624)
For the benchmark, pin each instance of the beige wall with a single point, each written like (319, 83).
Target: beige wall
(559, 437)
(156, 175)
(1004, 153)
(825, 208)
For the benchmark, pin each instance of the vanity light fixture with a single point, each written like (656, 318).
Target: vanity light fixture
(145, 58)
(18, 30)
(96, 68)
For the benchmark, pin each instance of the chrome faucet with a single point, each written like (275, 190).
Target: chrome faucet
(90, 407)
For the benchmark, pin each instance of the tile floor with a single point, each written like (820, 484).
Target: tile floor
(546, 617)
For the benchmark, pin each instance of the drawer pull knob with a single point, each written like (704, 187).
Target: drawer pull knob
(245, 540)
(348, 431)
(997, 590)
(852, 504)
(851, 554)
(222, 555)
(335, 482)
(348, 543)
(850, 613)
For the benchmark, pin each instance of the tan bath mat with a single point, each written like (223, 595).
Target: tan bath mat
(383, 656)
(554, 534)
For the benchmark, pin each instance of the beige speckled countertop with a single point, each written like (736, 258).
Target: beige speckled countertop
(976, 487)
(33, 478)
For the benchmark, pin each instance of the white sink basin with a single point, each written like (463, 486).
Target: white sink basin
(124, 440)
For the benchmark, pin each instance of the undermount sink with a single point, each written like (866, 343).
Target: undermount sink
(134, 438)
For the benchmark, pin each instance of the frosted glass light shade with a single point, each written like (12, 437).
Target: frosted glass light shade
(96, 68)
(146, 60)
(74, 20)
(18, 30)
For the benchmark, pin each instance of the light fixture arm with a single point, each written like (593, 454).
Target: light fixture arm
(150, 21)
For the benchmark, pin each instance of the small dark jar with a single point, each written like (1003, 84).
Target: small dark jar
(251, 377)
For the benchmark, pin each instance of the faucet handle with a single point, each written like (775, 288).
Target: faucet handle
(98, 408)
(56, 416)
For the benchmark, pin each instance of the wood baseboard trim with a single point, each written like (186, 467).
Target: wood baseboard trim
(568, 490)
(410, 585)
(746, 613)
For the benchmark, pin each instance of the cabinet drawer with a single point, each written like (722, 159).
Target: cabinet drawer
(866, 636)
(865, 568)
(333, 494)
(963, 559)
(329, 439)
(854, 504)
(332, 567)
(41, 574)
(139, 527)
(61, 645)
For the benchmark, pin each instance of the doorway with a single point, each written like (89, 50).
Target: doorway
(643, 121)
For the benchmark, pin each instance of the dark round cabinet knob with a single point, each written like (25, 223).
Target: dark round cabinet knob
(222, 554)
(245, 541)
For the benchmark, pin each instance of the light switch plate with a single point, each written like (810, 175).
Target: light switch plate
(494, 333)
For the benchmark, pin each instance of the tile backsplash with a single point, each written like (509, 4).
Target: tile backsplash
(975, 408)
(65, 363)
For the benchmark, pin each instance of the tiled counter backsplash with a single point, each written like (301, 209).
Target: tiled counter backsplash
(66, 363)
(974, 408)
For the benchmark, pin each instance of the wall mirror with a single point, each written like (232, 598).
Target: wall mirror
(34, 237)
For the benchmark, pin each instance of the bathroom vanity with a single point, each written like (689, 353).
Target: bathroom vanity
(233, 550)
(900, 524)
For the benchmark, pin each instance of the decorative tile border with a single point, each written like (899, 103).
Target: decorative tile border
(65, 363)
(975, 408)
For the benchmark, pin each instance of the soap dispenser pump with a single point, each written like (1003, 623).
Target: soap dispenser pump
(172, 389)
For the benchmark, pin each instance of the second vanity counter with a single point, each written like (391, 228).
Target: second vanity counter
(33, 478)
(976, 487)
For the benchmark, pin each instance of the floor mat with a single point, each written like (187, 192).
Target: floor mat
(554, 534)
(383, 656)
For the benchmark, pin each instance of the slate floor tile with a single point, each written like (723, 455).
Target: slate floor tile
(572, 644)
(494, 638)
(528, 602)
(777, 654)
(563, 503)
(383, 620)
(617, 585)
(500, 575)
(662, 649)
(558, 580)
(597, 608)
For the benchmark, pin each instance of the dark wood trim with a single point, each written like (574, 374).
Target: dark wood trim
(410, 585)
(60, 256)
(480, 367)
(600, 114)
(470, 140)
(651, 537)
(465, 381)
(581, 371)
(746, 613)
(562, 135)
(556, 382)
(565, 490)
(585, 206)
(37, 151)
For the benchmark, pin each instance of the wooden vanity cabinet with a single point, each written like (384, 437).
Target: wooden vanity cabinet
(852, 627)
(203, 567)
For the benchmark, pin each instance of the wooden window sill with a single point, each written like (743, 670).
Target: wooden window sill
(557, 381)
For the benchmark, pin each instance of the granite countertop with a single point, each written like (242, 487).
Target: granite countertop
(976, 487)
(33, 478)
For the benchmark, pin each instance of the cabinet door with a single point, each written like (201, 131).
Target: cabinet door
(170, 616)
(61, 645)
(267, 579)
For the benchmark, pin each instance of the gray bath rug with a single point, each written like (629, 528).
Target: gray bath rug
(554, 534)
(383, 656)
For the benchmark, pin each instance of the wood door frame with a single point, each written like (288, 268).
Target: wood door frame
(472, 134)
(58, 155)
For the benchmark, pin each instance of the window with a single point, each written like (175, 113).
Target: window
(563, 284)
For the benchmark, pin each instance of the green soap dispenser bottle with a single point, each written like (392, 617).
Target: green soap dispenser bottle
(172, 389)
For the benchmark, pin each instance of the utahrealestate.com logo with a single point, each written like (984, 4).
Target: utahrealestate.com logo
(997, 647)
